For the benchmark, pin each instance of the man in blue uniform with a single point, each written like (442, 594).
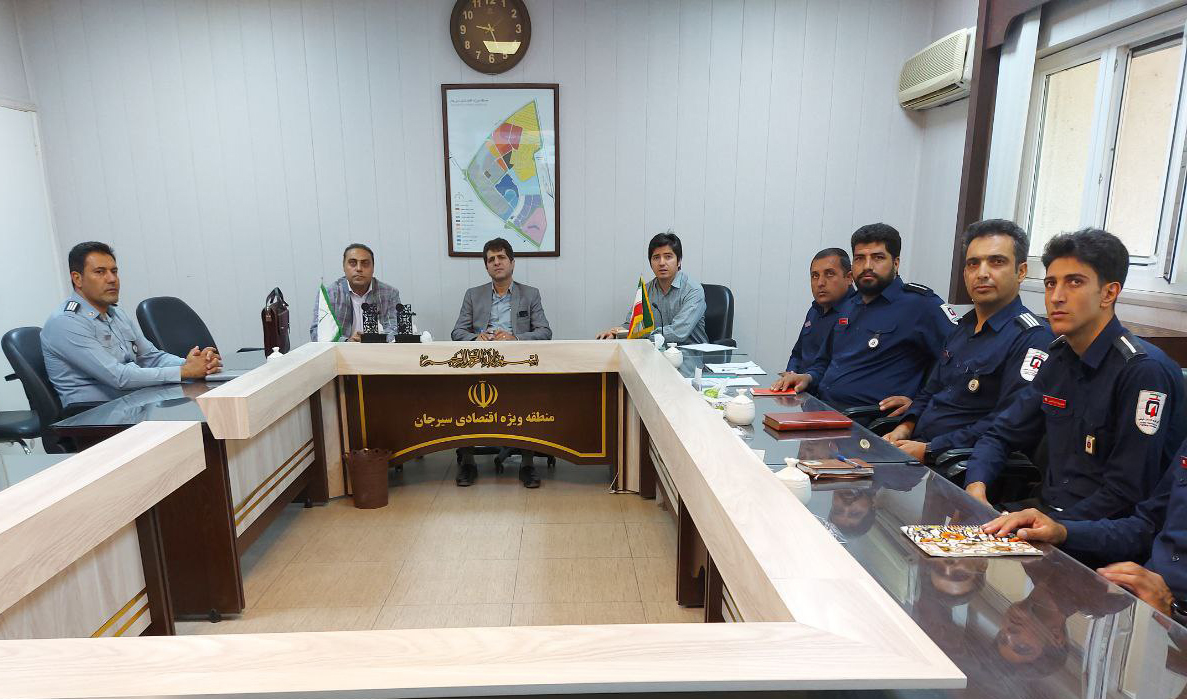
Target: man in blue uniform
(1157, 529)
(884, 339)
(994, 353)
(93, 351)
(1108, 402)
(832, 283)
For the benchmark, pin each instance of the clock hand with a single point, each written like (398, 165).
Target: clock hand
(490, 29)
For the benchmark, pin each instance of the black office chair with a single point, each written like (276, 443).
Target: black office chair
(719, 314)
(22, 347)
(171, 325)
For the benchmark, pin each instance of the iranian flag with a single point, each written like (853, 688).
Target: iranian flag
(328, 327)
(642, 322)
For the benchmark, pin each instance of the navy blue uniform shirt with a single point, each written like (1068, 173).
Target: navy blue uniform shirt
(1156, 532)
(882, 348)
(1112, 419)
(818, 323)
(979, 374)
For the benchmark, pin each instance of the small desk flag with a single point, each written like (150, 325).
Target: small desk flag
(642, 322)
(328, 327)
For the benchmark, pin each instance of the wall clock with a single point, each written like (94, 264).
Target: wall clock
(490, 36)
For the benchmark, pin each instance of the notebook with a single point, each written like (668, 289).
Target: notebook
(758, 392)
(820, 420)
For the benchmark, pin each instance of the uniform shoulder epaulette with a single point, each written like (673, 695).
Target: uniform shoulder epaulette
(917, 288)
(1059, 342)
(1027, 320)
(1128, 346)
(72, 307)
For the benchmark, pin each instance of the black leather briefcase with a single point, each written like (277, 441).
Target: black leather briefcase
(275, 317)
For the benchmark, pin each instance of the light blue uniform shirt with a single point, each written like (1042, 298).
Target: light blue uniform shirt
(500, 310)
(92, 356)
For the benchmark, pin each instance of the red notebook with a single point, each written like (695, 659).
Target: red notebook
(822, 420)
(758, 392)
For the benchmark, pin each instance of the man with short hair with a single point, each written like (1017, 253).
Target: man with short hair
(349, 293)
(501, 310)
(678, 301)
(93, 351)
(994, 353)
(885, 338)
(831, 283)
(1101, 397)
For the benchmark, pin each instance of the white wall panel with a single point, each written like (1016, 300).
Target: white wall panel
(13, 84)
(228, 147)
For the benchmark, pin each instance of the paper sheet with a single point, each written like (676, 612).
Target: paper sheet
(742, 368)
(709, 347)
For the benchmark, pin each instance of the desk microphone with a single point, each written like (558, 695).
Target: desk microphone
(661, 314)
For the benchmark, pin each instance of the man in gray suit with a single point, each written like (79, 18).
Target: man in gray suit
(501, 310)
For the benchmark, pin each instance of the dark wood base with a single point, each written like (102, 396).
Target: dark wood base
(692, 558)
(152, 556)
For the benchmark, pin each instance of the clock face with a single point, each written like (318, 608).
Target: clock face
(491, 36)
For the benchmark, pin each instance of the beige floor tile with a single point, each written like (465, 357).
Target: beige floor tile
(338, 619)
(657, 579)
(578, 613)
(444, 540)
(314, 585)
(589, 540)
(454, 582)
(403, 509)
(340, 543)
(651, 539)
(441, 616)
(573, 509)
(491, 509)
(672, 613)
(552, 580)
(251, 621)
(636, 509)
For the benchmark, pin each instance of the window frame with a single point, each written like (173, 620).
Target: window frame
(1161, 273)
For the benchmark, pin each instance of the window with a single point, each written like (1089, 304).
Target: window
(1105, 147)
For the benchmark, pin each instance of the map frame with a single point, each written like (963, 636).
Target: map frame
(545, 90)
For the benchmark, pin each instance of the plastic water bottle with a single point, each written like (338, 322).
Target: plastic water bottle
(275, 353)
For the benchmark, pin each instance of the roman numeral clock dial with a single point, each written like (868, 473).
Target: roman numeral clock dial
(490, 36)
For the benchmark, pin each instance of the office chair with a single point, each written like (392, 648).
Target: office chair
(719, 314)
(22, 347)
(171, 325)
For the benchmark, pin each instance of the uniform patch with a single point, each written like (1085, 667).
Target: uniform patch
(807, 323)
(1149, 411)
(1054, 402)
(1031, 362)
(72, 306)
(951, 313)
(843, 321)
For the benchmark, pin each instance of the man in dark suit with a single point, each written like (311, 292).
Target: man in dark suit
(501, 310)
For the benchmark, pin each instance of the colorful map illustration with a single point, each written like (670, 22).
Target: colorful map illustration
(504, 176)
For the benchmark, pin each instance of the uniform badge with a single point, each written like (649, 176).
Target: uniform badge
(974, 384)
(1149, 411)
(1090, 444)
(1054, 402)
(864, 444)
(72, 306)
(1183, 462)
(949, 311)
(1031, 362)
(873, 342)
(842, 321)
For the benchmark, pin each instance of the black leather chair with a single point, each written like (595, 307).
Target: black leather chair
(719, 314)
(171, 325)
(22, 347)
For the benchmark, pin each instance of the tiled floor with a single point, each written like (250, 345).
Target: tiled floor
(493, 554)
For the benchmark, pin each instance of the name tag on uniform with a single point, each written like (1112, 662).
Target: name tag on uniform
(523, 314)
(1054, 402)
(843, 321)
(1090, 444)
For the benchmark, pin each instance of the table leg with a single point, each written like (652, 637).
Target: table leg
(152, 557)
(691, 560)
(646, 465)
(713, 594)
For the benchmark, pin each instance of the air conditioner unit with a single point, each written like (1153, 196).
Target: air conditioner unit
(939, 74)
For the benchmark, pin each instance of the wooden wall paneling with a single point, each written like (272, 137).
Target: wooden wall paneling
(695, 167)
(279, 90)
(779, 304)
(332, 445)
(567, 306)
(72, 502)
(753, 128)
(726, 114)
(101, 593)
(393, 235)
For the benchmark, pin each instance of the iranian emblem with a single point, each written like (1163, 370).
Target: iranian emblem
(1031, 362)
(1149, 411)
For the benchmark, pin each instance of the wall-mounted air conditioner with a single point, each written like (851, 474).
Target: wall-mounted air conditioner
(939, 74)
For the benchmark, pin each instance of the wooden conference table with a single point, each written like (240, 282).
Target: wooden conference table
(814, 618)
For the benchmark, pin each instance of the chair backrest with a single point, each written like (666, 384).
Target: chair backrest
(719, 312)
(22, 347)
(171, 325)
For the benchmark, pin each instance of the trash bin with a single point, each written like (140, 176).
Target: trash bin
(368, 477)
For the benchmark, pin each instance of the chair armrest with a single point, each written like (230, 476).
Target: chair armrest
(883, 425)
(249, 349)
(953, 457)
(863, 414)
(10, 377)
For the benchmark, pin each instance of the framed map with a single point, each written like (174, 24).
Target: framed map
(501, 167)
